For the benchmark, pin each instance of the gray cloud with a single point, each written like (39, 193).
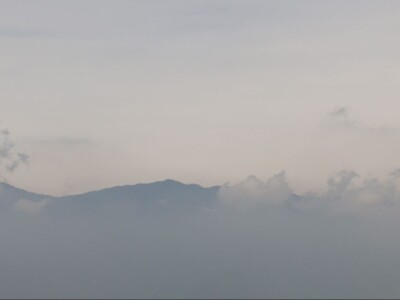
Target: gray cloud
(23, 157)
(339, 183)
(10, 158)
(341, 117)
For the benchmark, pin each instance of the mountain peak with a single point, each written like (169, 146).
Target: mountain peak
(171, 181)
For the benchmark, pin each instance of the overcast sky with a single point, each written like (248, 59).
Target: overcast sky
(103, 93)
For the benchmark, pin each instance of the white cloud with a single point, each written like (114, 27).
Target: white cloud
(253, 191)
(346, 192)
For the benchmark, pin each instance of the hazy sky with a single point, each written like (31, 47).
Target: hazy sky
(103, 93)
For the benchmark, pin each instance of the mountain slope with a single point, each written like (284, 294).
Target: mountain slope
(162, 195)
(167, 195)
(10, 194)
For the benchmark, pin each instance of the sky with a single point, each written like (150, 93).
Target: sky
(103, 93)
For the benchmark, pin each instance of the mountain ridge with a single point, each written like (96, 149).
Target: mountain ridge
(160, 196)
(170, 182)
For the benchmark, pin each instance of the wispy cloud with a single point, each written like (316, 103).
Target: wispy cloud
(340, 118)
(10, 158)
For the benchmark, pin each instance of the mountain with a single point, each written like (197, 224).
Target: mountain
(10, 194)
(163, 195)
(158, 196)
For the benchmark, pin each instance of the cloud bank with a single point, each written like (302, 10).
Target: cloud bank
(252, 191)
(346, 192)
(255, 239)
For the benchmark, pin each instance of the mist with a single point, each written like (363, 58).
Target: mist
(253, 239)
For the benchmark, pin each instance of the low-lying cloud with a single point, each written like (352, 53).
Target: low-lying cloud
(256, 239)
(345, 192)
(253, 191)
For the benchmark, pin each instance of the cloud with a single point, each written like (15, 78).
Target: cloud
(30, 206)
(343, 194)
(339, 183)
(10, 159)
(253, 191)
(23, 157)
(369, 191)
(340, 118)
(6, 145)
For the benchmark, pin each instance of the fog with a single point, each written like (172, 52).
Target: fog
(253, 239)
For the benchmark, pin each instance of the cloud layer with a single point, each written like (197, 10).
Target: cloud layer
(256, 240)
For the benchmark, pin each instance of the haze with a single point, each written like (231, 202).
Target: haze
(199, 149)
